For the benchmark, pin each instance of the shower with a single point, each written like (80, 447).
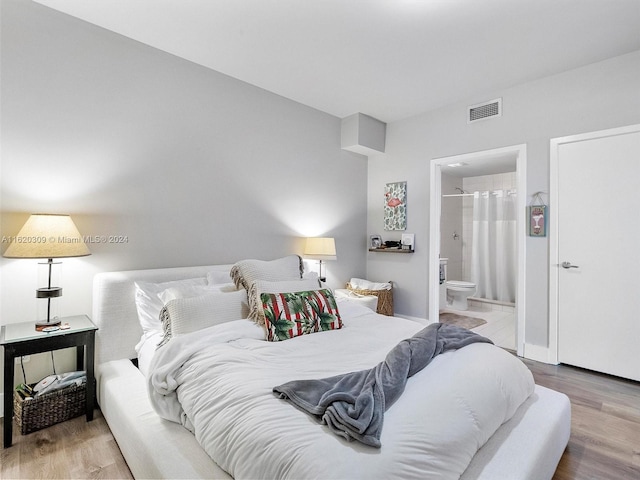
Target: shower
(493, 249)
(484, 210)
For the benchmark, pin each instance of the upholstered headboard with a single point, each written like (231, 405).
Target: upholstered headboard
(114, 306)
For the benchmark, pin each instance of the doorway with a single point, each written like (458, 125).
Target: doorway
(488, 162)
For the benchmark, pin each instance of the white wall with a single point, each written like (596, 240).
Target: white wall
(192, 166)
(598, 96)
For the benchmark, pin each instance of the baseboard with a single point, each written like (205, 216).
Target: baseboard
(423, 321)
(537, 353)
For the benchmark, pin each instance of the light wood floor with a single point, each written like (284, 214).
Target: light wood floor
(72, 449)
(605, 423)
(604, 443)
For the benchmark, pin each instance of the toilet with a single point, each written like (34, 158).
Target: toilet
(459, 291)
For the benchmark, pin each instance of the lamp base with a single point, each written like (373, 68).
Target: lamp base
(42, 324)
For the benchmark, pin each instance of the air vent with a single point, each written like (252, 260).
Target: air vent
(484, 111)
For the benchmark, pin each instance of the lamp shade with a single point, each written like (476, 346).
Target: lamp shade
(320, 248)
(48, 236)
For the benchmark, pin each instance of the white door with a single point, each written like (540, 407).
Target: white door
(598, 252)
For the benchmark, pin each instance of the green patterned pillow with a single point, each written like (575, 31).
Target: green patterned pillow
(289, 315)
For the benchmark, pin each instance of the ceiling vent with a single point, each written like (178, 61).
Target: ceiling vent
(484, 111)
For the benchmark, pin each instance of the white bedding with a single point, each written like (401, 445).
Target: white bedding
(146, 348)
(218, 383)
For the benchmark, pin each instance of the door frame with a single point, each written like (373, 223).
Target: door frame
(554, 225)
(435, 210)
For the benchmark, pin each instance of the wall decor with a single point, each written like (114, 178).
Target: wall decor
(408, 241)
(395, 206)
(538, 221)
(376, 241)
(537, 216)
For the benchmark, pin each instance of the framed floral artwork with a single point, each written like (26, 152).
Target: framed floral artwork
(395, 206)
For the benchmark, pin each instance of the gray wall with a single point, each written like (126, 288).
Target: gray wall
(192, 166)
(599, 96)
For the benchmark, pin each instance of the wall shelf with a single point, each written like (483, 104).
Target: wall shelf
(391, 250)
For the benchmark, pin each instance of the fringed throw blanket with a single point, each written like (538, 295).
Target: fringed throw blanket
(352, 405)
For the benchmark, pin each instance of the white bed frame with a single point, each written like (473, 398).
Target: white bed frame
(528, 446)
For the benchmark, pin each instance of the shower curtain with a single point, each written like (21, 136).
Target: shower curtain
(493, 253)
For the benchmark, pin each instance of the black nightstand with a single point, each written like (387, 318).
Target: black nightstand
(19, 339)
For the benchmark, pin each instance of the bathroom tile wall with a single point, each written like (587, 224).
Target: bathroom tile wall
(450, 225)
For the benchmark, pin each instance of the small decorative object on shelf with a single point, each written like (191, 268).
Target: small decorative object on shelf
(376, 241)
(408, 241)
(391, 250)
(392, 246)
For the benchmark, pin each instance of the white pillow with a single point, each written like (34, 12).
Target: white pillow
(186, 315)
(245, 272)
(308, 275)
(284, 286)
(216, 277)
(194, 291)
(149, 304)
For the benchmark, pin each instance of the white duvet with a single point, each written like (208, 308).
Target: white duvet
(218, 383)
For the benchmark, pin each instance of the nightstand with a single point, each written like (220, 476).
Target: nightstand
(19, 339)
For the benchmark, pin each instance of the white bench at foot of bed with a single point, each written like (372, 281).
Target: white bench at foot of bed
(529, 445)
(152, 447)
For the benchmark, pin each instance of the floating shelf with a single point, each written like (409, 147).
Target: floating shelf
(391, 250)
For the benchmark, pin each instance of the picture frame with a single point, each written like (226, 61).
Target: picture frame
(537, 220)
(408, 241)
(376, 241)
(395, 206)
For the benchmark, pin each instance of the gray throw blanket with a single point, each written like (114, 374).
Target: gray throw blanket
(352, 405)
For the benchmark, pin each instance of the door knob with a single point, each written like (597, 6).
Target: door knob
(568, 265)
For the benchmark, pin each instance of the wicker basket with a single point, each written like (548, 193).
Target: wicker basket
(36, 413)
(385, 298)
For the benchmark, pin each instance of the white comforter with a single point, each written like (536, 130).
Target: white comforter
(218, 383)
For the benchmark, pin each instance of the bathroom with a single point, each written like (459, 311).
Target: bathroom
(485, 282)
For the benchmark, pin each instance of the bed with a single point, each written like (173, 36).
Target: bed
(526, 446)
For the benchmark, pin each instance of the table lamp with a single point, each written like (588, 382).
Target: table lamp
(48, 236)
(321, 249)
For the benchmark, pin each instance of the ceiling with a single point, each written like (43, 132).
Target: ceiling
(490, 164)
(390, 59)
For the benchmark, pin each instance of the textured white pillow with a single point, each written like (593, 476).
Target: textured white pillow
(216, 277)
(245, 272)
(149, 304)
(284, 286)
(194, 291)
(186, 315)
